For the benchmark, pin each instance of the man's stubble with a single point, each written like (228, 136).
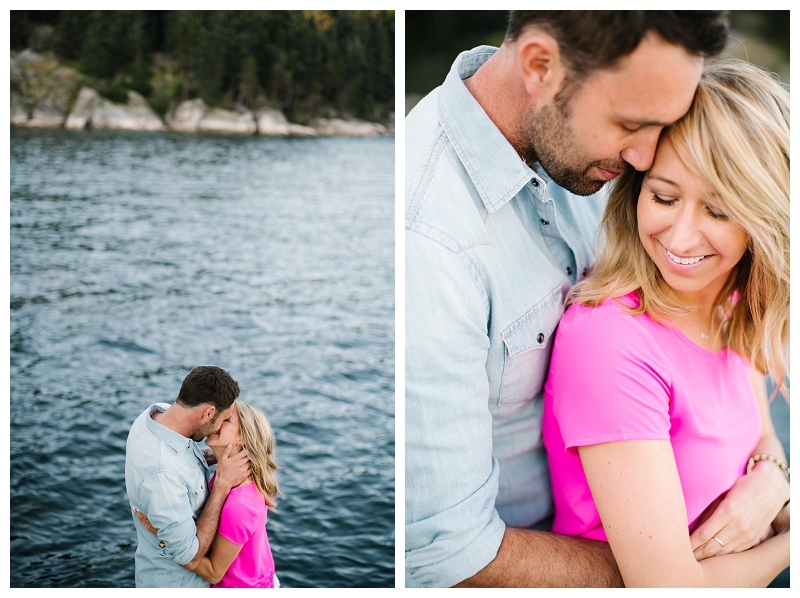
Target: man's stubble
(549, 138)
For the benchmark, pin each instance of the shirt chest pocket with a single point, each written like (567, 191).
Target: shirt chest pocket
(198, 494)
(528, 343)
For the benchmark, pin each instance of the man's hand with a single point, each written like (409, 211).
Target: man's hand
(145, 522)
(781, 523)
(743, 517)
(232, 470)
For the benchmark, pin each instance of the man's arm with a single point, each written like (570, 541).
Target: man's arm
(453, 531)
(231, 472)
(530, 558)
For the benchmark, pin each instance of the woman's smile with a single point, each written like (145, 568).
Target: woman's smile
(693, 244)
(684, 260)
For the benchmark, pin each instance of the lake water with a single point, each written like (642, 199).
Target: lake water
(137, 256)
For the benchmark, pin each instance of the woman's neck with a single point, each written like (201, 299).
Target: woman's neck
(699, 303)
(701, 322)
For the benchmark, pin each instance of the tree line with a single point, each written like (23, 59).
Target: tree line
(302, 62)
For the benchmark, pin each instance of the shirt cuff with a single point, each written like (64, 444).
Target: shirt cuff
(436, 566)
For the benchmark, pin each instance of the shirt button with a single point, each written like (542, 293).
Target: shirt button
(584, 271)
(569, 270)
(540, 338)
(543, 221)
(535, 182)
(161, 544)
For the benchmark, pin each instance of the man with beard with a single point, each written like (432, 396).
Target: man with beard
(506, 164)
(167, 475)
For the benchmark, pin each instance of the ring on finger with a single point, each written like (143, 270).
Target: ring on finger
(720, 541)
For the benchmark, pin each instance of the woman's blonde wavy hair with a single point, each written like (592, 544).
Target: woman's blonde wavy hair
(736, 138)
(258, 439)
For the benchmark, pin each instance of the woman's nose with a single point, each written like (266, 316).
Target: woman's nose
(685, 233)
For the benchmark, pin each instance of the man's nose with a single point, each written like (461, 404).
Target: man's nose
(642, 150)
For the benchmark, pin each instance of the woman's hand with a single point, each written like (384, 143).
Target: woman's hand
(145, 522)
(744, 516)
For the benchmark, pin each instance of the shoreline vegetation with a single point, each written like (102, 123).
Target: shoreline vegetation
(270, 73)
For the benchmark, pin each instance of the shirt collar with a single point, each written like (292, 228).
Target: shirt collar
(177, 441)
(494, 166)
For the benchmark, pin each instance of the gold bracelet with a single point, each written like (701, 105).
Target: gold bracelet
(752, 462)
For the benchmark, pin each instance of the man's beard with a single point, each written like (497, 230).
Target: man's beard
(548, 137)
(204, 430)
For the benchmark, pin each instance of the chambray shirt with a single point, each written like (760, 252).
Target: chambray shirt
(166, 477)
(492, 246)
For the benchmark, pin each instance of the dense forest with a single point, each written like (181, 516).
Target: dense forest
(435, 37)
(302, 62)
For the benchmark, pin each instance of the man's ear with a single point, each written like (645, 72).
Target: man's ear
(539, 60)
(208, 413)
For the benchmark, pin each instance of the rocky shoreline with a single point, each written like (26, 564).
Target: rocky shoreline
(47, 95)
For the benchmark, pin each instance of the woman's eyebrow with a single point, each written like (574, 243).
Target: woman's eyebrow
(662, 179)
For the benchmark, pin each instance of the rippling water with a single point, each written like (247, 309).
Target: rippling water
(135, 257)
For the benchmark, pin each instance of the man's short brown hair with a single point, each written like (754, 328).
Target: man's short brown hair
(596, 39)
(208, 384)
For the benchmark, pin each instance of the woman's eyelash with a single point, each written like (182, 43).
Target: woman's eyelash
(662, 201)
(715, 215)
(669, 202)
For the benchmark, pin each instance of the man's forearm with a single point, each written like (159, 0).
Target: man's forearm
(208, 522)
(528, 558)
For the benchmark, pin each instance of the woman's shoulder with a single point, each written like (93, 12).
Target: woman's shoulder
(245, 506)
(613, 311)
(245, 496)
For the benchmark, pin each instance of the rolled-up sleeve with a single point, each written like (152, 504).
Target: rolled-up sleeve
(170, 512)
(452, 528)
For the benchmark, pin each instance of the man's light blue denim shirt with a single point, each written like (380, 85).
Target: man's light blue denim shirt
(492, 246)
(166, 477)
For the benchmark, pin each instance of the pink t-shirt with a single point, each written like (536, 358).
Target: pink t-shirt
(618, 377)
(243, 521)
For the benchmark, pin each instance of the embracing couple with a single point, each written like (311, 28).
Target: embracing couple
(196, 528)
(585, 359)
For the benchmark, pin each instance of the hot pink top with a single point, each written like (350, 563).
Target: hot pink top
(243, 522)
(618, 377)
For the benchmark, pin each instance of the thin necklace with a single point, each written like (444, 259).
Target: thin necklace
(703, 336)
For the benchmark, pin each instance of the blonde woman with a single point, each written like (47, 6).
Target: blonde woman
(655, 404)
(240, 556)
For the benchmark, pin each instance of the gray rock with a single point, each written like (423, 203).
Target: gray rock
(50, 108)
(347, 128)
(46, 115)
(296, 130)
(218, 120)
(19, 115)
(26, 58)
(83, 110)
(45, 89)
(187, 116)
(272, 122)
(136, 115)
